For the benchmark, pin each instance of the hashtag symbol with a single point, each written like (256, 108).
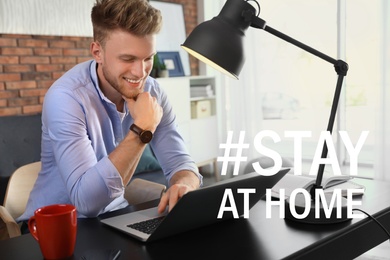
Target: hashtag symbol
(236, 159)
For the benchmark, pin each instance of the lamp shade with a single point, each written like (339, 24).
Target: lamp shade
(219, 42)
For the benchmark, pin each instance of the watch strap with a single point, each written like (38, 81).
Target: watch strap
(144, 135)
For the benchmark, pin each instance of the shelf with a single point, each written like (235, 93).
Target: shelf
(201, 98)
(196, 116)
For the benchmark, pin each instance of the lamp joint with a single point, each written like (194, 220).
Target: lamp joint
(258, 23)
(341, 67)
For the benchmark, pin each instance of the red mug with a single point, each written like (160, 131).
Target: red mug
(55, 228)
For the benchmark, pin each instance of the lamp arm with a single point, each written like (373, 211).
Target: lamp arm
(341, 68)
(331, 121)
(261, 24)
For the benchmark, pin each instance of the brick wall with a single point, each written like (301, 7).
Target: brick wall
(29, 64)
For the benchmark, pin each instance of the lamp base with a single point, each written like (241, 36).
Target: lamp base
(338, 211)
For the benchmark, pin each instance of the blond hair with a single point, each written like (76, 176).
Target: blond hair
(134, 16)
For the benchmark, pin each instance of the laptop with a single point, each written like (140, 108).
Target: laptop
(195, 209)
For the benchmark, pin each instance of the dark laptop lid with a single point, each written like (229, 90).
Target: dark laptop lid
(201, 207)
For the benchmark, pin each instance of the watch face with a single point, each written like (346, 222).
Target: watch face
(146, 136)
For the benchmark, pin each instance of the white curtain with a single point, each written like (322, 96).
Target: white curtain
(240, 105)
(382, 164)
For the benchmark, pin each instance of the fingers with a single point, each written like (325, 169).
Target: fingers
(163, 203)
(172, 196)
(145, 111)
(130, 104)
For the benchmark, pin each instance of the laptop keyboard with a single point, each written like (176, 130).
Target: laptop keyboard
(147, 226)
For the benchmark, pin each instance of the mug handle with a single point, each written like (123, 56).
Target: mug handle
(32, 226)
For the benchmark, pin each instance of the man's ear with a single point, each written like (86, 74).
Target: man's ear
(96, 51)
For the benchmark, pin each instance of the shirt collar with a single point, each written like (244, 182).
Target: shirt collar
(94, 78)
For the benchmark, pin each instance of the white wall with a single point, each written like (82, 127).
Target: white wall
(46, 17)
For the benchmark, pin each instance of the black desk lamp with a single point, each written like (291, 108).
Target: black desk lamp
(219, 43)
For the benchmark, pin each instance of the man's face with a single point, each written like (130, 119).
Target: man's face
(124, 62)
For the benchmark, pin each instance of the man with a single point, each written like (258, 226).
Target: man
(88, 152)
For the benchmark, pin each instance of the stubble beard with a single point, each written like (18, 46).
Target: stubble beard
(120, 88)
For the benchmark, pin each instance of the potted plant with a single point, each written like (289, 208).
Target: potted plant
(159, 69)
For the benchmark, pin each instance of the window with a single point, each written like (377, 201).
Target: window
(298, 87)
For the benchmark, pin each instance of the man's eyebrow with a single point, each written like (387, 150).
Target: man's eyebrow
(130, 56)
(127, 56)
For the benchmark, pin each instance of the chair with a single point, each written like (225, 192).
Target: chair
(22, 182)
(20, 139)
(18, 190)
(140, 190)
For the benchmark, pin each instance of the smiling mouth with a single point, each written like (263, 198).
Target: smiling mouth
(132, 81)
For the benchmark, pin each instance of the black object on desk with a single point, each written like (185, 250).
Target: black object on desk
(199, 208)
(253, 238)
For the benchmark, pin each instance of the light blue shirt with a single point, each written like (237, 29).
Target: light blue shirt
(80, 127)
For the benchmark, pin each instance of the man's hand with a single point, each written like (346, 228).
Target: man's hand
(145, 111)
(172, 196)
(182, 182)
(147, 114)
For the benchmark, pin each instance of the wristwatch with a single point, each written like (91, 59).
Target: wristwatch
(145, 135)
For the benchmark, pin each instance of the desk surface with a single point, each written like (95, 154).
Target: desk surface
(253, 238)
